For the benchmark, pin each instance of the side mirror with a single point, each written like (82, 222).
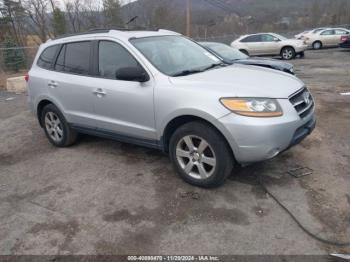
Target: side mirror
(276, 39)
(136, 74)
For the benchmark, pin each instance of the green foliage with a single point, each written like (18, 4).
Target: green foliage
(58, 22)
(13, 58)
(111, 9)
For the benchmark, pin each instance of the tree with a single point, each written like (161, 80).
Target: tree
(58, 22)
(11, 13)
(111, 10)
(37, 11)
(13, 58)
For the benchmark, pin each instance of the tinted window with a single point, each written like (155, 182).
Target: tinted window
(252, 38)
(112, 57)
(328, 32)
(74, 58)
(46, 58)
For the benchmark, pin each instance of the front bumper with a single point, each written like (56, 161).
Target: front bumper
(257, 139)
(300, 49)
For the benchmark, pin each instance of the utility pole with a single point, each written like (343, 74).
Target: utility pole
(188, 18)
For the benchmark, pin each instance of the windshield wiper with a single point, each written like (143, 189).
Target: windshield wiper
(194, 71)
(187, 72)
(213, 66)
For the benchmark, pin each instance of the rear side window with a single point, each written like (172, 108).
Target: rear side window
(341, 32)
(252, 38)
(74, 58)
(112, 57)
(47, 56)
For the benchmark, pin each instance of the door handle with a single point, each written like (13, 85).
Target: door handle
(99, 92)
(52, 84)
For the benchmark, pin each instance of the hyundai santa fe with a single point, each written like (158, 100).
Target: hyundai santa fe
(162, 90)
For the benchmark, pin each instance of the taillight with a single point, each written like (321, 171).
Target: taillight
(344, 38)
(26, 77)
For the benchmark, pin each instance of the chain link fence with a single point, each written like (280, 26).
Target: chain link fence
(17, 60)
(229, 38)
(14, 59)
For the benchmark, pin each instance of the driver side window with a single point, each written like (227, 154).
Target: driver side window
(267, 38)
(112, 57)
(328, 32)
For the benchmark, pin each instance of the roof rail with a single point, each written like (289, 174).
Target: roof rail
(102, 30)
(81, 33)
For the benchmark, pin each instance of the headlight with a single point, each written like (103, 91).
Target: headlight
(255, 107)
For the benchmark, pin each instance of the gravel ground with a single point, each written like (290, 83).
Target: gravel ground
(106, 197)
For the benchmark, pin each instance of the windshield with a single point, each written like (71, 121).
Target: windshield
(280, 37)
(318, 30)
(175, 55)
(225, 51)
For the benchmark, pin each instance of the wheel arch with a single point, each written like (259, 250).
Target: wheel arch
(180, 120)
(44, 102)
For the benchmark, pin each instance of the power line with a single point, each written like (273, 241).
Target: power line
(220, 5)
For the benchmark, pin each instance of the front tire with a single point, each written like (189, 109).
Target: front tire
(57, 130)
(288, 53)
(317, 45)
(200, 155)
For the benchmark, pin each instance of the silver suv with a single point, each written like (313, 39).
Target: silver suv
(162, 90)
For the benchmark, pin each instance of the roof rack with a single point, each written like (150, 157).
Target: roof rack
(81, 33)
(103, 30)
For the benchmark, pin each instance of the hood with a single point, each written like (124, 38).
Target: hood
(266, 61)
(242, 81)
(293, 42)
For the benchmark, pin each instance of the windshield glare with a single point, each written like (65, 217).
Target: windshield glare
(226, 52)
(174, 54)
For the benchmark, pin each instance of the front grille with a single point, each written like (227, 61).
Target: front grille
(302, 102)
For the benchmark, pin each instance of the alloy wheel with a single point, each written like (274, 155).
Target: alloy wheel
(287, 53)
(196, 157)
(53, 126)
(317, 45)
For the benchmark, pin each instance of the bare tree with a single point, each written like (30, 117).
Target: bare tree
(11, 15)
(37, 11)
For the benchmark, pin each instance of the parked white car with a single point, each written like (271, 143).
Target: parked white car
(330, 37)
(304, 34)
(270, 44)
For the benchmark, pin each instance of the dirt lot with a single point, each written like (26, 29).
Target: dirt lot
(106, 197)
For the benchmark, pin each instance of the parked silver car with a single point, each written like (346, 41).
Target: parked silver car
(162, 90)
(270, 44)
(330, 37)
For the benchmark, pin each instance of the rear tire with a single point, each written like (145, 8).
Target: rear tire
(57, 130)
(200, 155)
(288, 53)
(317, 45)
